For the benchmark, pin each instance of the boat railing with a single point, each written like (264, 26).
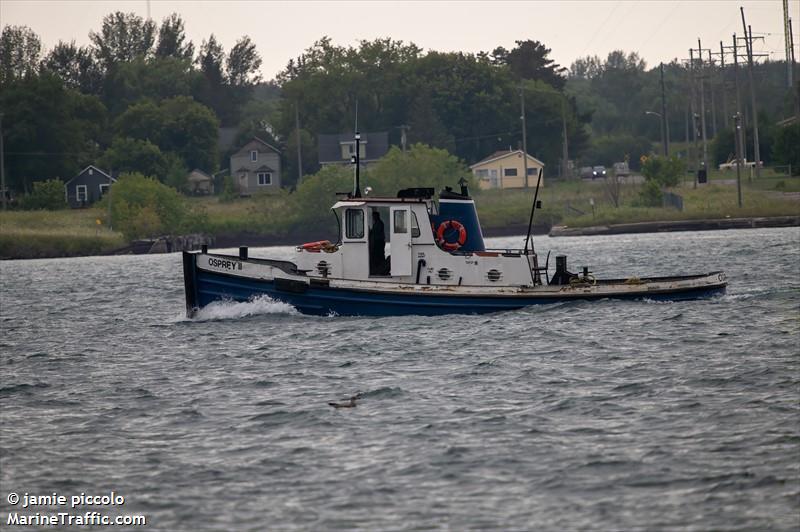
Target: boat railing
(506, 252)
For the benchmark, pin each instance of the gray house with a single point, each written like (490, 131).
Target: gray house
(87, 187)
(256, 167)
(337, 149)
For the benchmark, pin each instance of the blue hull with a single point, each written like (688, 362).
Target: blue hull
(319, 300)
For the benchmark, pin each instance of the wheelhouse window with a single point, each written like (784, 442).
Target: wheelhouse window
(400, 222)
(414, 225)
(265, 178)
(254, 156)
(510, 172)
(354, 223)
(81, 193)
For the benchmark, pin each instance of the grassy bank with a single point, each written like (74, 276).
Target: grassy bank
(64, 233)
(30, 234)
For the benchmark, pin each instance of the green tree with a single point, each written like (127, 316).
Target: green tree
(76, 66)
(45, 195)
(177, 125)
(610, 149)
(143, 207)
(134, 155)
(45, 129)
(665, 171)
(529, 60)
(420, 166)
(123, 38)
(156, 78)
(787, 147)
(172, 39)
(20, 48)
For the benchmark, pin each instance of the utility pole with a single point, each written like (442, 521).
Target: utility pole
(787, 35)
(3, 190)
(722, 84)
(749, 36)
(299, 148)
(404, 137)
(664, 124)
(110, 187)
(738, 142)
(524, 132)
(565, 164)
(742, 127)
(703, 107)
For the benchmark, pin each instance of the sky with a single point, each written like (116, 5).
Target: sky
(657, 30)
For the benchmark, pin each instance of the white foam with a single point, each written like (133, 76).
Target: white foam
(227, 310)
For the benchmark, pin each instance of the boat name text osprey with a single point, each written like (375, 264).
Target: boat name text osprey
(224, 264)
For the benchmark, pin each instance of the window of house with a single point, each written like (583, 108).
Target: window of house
(532, 171)
(254, 156)
(91, 171)
(400, 222)
(81, 193)
(103, 189)
(482, 174)
(354, 223)
(510, 172)
(265, 178)
(349, 149)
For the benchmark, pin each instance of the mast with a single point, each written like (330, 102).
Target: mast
(356, 158)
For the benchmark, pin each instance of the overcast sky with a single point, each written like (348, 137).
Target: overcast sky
(658, 30)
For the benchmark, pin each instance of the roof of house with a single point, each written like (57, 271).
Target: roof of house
(329, 146)
(501, 154)
(93, 167)
(198, 175)
(260, 141)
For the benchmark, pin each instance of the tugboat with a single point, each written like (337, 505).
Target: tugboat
(438, 264)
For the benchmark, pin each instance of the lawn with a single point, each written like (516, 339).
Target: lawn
(67, 232)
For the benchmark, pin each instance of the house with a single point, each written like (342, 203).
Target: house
(256, 167)
(505, 169)
(87, 187)
(199, 182)
(339, 148)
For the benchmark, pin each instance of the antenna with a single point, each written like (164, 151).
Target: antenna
(356, 158)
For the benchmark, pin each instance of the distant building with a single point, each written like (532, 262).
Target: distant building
(505, 169)
(87, 187)
(199, 182)
(339, 148)
(256, 167)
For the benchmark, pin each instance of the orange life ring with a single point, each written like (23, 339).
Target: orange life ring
(451, 224)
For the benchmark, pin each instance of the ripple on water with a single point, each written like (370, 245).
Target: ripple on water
(574, 416)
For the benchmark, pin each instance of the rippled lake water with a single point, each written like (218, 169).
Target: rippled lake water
(591, 416)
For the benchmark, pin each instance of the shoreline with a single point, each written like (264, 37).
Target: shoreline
(232, 240)
(714, 224)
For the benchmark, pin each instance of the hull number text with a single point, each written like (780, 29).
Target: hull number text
(224, 264)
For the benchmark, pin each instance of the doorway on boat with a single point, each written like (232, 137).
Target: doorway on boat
(379, 263)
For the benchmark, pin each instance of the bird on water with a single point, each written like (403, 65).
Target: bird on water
(349, 403)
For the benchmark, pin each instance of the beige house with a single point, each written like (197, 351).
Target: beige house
(506, 169)
(199, 182)
(256, 167)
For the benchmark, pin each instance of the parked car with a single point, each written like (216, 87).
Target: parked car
(586, 172)
(598, 171)
(621, 169)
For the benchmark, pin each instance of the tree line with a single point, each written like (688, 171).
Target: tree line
(143, 98)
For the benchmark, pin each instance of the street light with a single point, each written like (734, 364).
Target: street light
(663, 138)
